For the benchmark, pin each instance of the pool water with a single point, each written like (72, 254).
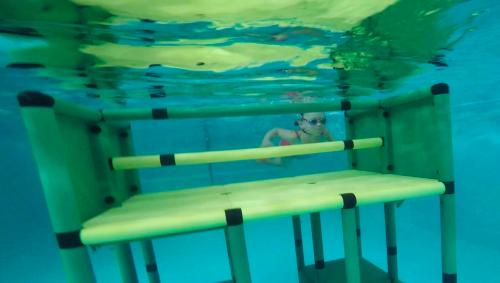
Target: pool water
(127, 54)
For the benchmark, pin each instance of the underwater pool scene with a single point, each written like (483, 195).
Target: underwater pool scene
(102, 103)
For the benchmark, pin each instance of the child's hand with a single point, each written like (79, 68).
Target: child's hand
(266, 144)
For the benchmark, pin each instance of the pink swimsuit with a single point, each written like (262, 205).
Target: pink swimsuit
(284, 142)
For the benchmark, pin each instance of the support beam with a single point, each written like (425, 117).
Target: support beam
(317, 237)
(390, 234)
(299, 247)
(152, 161)
(236, 246)
(126, 263)
(235, 110)
(352, 260)
(49, 151)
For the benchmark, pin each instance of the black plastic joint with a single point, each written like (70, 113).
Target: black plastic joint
(345, 104)
(449, 278)
(151, 268)
(35, 99)
(147, 39)
(101, 113)
(449, 187)
(22, 31)
(319, 264)
(95, 129)
(234, 216)
(91, 85)
(69, 240)
(123, 134)
(349, 200)
(167, 159)
(158, 94)
(159, 113)
(25, 65)
(134, 188)
(392, 250)
(440, 88)
(110, 163)
(348, 144)
(157, 91)
(152, 75)
(109, 200)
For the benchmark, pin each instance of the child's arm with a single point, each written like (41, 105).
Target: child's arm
(268, 137)
(276, 132)
(267, 141)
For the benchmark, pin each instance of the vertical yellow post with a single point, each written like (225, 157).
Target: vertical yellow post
(352, 163)
(49, 151)
(445, 173)
(390, 234)
(350, 134)
(236, 246)
(115, 186)
(299, 248)
(150, 261)
(352, 259)
(126, 263)
(389, 208)
(358, 231)
(317, 237)
(132, 176)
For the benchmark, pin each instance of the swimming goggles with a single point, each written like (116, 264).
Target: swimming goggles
(314, 122)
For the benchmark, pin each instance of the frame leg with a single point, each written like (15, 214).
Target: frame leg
(358, 231)
(352, 260)
(77, 266)
(126, 263)
(390, 234)
(48, 148)
(317, 237)
(236, 246)
(448, 238)
(299, 248)
(150, 261)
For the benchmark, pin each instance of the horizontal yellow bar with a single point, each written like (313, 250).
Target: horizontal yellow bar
(368, 143)
(179, 112)
(137, 162)
(77, 111)
(270, 152)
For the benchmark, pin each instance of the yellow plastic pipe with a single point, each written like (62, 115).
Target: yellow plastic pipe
(149, 161)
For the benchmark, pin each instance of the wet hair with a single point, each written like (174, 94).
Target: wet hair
(300, 116)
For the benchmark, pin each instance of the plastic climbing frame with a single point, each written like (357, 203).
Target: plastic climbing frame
(399, 148)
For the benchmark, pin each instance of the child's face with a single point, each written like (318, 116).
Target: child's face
(313, 123)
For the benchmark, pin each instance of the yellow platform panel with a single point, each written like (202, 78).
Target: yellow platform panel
(167, 213)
